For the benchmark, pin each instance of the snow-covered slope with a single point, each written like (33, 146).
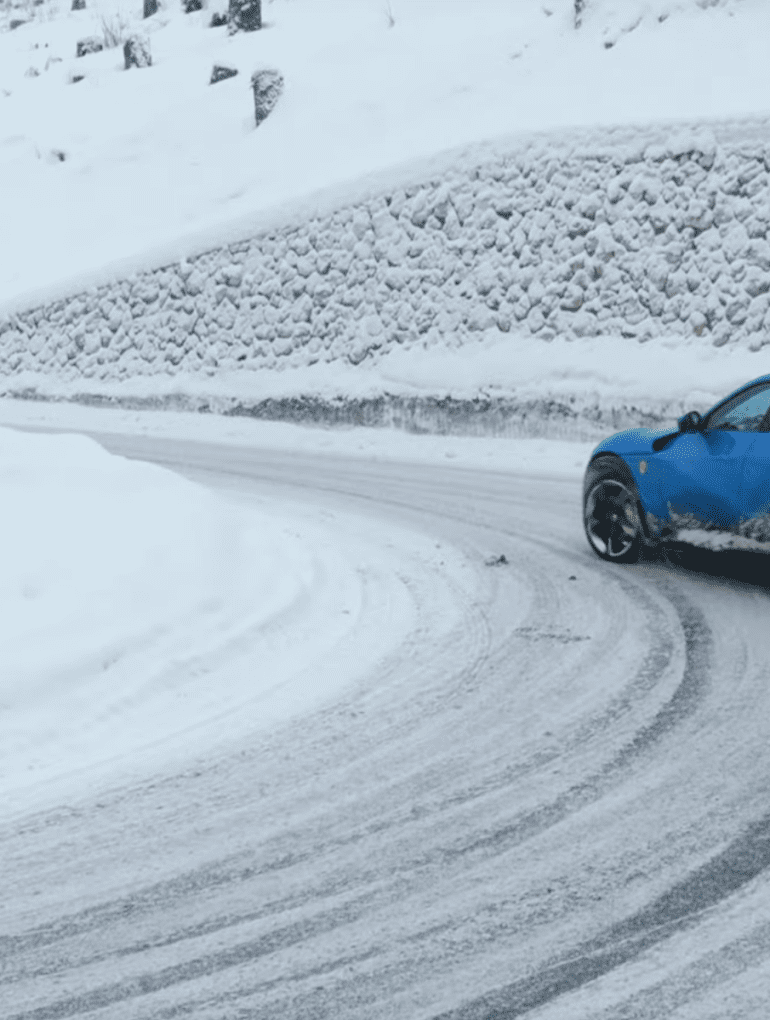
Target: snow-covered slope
(440, 288)
(123, 161)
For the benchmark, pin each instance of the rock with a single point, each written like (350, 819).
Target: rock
(150, 8)
(756, 282)
(195, 282)
(584, 324)
(218, 18)
(573, 299)
(267, 86)
(136, 52)
(232, 275)
(220, 73)
(736, 312)
(244, 15)
(93, 44)
(480, 319)
(16, 23)
(535, 320)
(190, 6)
(78, 5)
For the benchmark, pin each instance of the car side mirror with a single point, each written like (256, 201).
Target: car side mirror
(691, 422)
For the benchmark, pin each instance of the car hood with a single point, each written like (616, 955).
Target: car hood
(632, 441)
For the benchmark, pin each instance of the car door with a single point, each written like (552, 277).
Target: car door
(703, 476)
(755, 484)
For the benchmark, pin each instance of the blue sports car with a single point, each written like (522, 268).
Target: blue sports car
(708, 483)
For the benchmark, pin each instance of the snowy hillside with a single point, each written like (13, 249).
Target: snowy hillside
(119, 162)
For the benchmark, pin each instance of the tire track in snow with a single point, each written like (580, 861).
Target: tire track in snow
(678, 909)
(681, 704)
(338, 869)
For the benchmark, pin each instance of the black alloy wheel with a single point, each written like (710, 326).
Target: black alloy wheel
(611, 516)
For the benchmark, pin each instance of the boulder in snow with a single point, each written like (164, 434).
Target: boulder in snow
(78, 5)
(245, 15)
(93, 44)
(218, 19)
(267, 86)
(136, 52)
(150, 8)
(220, 73)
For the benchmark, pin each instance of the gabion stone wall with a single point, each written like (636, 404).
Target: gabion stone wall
(671, 239)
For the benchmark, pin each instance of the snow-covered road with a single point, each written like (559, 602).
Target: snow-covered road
(550, 796)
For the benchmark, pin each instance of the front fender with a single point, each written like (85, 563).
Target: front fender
(634, 448)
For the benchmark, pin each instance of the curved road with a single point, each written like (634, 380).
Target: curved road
(556, 806)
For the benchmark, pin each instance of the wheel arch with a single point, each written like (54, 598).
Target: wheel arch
(609, 459)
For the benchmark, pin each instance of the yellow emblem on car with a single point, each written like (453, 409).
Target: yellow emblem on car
(642, 466)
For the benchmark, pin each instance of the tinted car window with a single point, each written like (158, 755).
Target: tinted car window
(744, 413)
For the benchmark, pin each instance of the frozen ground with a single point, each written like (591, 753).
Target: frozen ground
(121, 162)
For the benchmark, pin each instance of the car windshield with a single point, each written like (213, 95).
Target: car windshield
(744, 413)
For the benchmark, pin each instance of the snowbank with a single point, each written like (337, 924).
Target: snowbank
(523, 456)
(119, 579)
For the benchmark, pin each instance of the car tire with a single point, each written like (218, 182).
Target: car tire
(612, 514)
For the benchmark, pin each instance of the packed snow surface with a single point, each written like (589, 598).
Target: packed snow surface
(117, 162)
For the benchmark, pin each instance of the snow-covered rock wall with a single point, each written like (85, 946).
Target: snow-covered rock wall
(625, 241)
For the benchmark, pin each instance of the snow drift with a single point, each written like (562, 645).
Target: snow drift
(119, 578)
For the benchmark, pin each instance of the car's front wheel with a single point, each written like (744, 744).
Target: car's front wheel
(611, 512)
